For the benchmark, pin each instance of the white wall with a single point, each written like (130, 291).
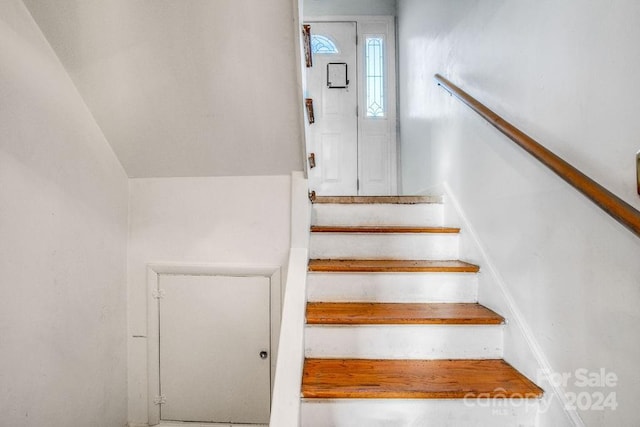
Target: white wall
(351, 7)
(565, 73)
(221, 220)
(63, 230)
(185, 88)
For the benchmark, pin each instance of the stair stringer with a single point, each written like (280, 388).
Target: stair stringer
(521, 348)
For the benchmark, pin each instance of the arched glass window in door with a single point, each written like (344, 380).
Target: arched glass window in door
(322, 45)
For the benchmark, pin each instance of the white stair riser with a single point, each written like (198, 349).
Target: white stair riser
(419, 413)
(392, 287)
(404, 341)
(436, 246)
(378, 214)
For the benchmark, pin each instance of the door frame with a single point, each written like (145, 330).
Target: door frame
(391, 67)
(154, 270)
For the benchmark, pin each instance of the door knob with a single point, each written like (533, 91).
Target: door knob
(264, 354)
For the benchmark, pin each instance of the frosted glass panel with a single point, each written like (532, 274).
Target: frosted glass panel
(374, 75)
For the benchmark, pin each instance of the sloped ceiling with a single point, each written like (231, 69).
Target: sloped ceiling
(184, 88)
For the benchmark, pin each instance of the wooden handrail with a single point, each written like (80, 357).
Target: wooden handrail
(623, 212)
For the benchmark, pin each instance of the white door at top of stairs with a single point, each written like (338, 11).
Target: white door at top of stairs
(352, 85)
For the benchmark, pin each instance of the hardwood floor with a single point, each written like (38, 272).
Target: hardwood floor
(353, 313)
(382, 229)
(409, 379)
(391, 266)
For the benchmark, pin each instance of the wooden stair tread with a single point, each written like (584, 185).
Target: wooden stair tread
(381, 229)
(396, 200)
(358, 313)
(411, 379)
(391, 266)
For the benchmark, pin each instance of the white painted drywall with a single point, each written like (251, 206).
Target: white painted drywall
(351, 7)
(195, 88)
(571, 271)
(221, 220)
(63, 231)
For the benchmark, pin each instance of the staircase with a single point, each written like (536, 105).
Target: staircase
(394, 334)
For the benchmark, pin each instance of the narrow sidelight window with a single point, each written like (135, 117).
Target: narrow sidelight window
(374, 76)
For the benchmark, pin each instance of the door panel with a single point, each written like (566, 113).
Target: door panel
(375, 160)
(212, 330)
(329, 152)
(334, 135)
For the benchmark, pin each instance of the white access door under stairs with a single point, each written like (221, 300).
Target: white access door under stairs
(215, 348)
(352, 141)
